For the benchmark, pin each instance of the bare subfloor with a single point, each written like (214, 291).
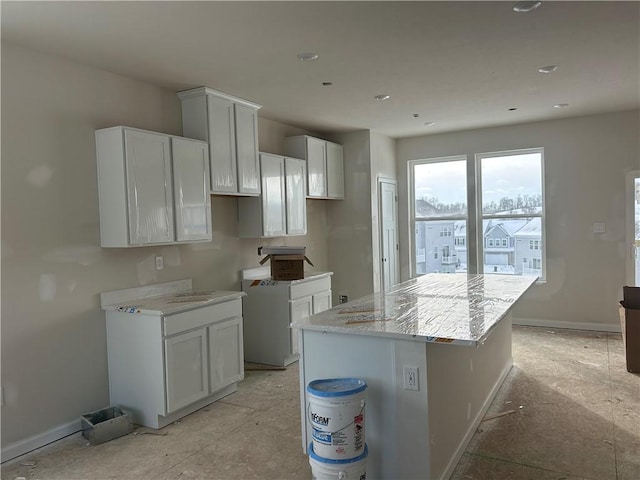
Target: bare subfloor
(575, 415)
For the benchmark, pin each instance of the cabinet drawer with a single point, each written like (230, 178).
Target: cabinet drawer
(201, 316)
(310, 287)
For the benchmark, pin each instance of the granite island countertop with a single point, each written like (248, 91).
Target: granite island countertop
(456, 308)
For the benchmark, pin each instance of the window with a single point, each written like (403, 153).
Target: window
(506, 189)
(439, 212)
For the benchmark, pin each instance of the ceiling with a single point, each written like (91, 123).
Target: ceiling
(463, 65)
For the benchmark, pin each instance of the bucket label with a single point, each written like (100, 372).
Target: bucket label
(322, 437)
(315, 418)
(358, 423)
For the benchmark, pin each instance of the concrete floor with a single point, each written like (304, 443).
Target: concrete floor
(576, 416)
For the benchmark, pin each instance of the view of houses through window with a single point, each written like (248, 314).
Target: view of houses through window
(510, 224)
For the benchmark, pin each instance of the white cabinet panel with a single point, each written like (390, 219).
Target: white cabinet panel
(325, 165)
(295, 173)
(149, 187)
(316, 165)
(226, 356)
(230, 126)
(221, 137)
(247, 149)
(321, 301)
(186, 369)
(273, 196)
(301, 308)
(335, 171)
(191, 190)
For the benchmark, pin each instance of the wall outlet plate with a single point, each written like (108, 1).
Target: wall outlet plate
(159, 262)
(411, 381)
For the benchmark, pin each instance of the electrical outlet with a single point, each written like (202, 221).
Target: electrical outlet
(159, 262)
(599, 227)
(344, 299)
(411, 378)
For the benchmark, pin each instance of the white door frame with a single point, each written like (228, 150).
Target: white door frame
(630, 226)
(394, 182)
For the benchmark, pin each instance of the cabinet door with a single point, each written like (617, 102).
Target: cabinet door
(316, 167)
(335, 171)
(247, 150)
(186, 369)
(226, 355)
(149, 188)
(295, 171)
(191, 189)
(301, 308)
(222, 145)
(273, 196)
(321, 301)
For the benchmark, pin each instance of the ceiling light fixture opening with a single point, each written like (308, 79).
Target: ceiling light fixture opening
(308, 56)
(548, 69)
(561, 105)
(429, 124)
(416, 115)
(524, 7)
(513, 109)
(327, 84)
(382, 97)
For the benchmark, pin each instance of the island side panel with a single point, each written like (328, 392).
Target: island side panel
(462, 384)
(396, 429)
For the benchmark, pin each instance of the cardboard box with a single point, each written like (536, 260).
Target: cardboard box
(286, 267)
(630, 323)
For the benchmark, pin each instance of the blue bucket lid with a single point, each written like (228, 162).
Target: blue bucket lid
(336, 387)
(331, 461)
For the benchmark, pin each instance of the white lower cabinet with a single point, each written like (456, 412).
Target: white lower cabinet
(270, 307)
(162, 368)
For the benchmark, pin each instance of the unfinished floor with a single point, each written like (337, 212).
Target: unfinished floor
(575, 415)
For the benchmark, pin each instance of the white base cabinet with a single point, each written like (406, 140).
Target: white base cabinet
(270, 307)
(152, 188)
(163, 367)
(325, 165)
(230, 126)
(281, 209)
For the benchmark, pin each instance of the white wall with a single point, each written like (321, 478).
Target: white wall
(586, 160)
(53, 332)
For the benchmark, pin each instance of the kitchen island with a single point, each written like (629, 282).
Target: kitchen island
(452, 330)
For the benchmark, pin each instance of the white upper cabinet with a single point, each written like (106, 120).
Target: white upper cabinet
(230, 126)
(295, 175)
(281, 208)
(151, 188)
(191, 189)
(325, 166)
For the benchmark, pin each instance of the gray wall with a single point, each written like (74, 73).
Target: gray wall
(586, 160)
(54, 365)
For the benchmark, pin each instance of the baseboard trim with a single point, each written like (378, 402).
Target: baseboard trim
(28, 444)
(597, 327)
(453, 463)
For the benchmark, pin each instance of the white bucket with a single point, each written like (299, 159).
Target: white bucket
(336, 414)
(327, 469)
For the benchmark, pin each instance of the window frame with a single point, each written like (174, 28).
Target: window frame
(411, 164)
(473, 241)
(482, 216)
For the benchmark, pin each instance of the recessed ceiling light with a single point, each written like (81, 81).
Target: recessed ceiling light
(429, 124)
(524, 7)
(308, 56)
(327, 84)
(548, 69)
(382, 97)
(416, 115)
(561, 105)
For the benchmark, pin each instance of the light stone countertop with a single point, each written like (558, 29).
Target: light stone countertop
(439, 308)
